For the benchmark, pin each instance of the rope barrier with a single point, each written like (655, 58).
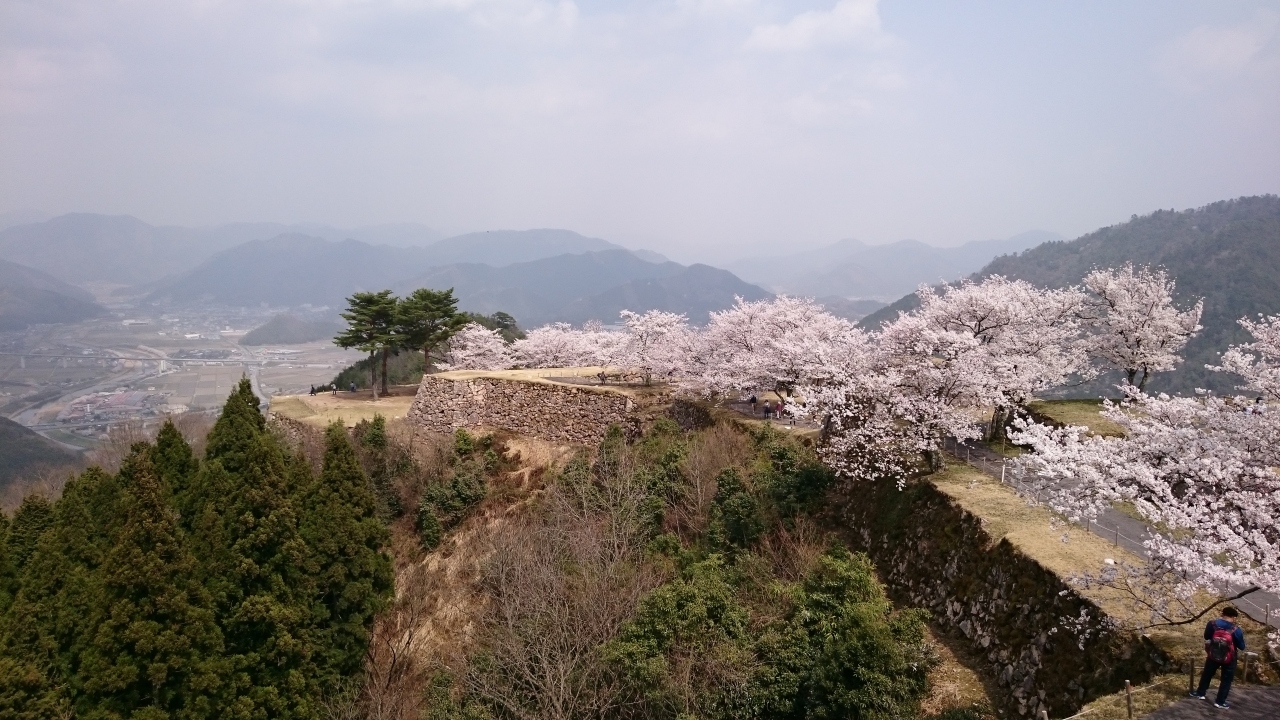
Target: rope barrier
(1135, 690)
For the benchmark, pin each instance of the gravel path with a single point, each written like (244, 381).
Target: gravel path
(1251, 702)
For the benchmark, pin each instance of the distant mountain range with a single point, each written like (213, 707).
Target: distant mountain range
(576, 285)
(1227, 252)
(31, 297)
(855, 270)
(123, 250)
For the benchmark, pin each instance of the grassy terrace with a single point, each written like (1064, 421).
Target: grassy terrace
(1078, 412)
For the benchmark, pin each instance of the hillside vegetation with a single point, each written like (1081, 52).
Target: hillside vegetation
(681, 575)
(1227, 252)
(243, 584)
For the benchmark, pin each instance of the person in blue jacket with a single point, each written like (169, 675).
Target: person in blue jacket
(1223, 643)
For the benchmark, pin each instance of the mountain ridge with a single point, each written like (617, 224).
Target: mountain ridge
(1227, 252)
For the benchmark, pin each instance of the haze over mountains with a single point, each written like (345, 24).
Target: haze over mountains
(852, 269)
(1227, 252)
(31, 297)
(249, 264)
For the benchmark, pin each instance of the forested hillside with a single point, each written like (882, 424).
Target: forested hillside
(237, 585)
(1227, 252)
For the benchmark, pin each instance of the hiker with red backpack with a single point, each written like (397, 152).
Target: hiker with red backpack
(1223, 643)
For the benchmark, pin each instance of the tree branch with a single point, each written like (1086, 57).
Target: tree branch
(1203, 612)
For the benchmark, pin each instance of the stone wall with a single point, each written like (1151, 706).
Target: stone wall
(1047, 647)
(558, 412)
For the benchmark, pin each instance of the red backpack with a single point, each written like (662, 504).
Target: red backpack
(1221, 648)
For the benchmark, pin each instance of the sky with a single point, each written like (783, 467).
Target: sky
(703, 129)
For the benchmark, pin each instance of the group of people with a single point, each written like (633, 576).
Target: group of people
(770, 409)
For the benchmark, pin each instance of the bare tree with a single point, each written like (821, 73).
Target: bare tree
(560, 582)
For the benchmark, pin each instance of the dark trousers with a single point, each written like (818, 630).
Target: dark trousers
(1224, 687)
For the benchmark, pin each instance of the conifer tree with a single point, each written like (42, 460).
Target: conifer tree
(245, 525)
(371, 327)
(8, 570)
(157, 651)
(428, 318)
(59, 603)
(354, 577)
(32, 518)
(174, 462)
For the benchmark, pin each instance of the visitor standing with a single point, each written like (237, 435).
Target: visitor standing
(768, 410)
(753, 404)
(1223, 643)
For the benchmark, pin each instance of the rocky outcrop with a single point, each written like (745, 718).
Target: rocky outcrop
(1048, 646)
(559, 412)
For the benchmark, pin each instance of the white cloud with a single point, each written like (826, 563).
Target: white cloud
(850, 21)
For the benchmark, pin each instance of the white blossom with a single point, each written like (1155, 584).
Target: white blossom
(476, 347)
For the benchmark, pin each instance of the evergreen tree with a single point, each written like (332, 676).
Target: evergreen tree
(428, 318)
(33, 518)
(354, 577)
(8, 569)
(245, 527)
(52, 618)
(372, 328)
(156, 652)
(173, 460)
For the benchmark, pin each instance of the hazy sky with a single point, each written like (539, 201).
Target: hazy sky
(699, 128)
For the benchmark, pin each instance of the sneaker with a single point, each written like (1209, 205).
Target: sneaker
(1222, 706)
(1197, 695)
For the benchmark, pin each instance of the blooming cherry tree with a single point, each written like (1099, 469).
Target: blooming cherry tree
(656, 342)
(779, 345)
(1138, 329)
(1201, 470)
(1257, 362)
(476, 347)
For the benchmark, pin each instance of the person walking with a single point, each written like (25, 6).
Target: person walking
(753, 404)
(768, 410)
(1223, 643)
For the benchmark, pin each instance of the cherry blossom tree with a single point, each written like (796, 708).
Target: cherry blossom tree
(778, 345)
(1257, 362)
(1201, 470)
(1138, 328)
(995, 343)
(554, 345)
(476, 347)
(656, 343)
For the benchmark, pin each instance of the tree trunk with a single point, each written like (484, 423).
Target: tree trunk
(1130, 374)
(373, 373)
(426, 359)
(1142, 384)
(384, 371)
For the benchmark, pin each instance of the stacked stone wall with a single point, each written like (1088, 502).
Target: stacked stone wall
(1047, 647)
(550, 411)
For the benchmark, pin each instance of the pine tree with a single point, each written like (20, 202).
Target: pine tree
(354, 577)
(371, 328)
(427, 319)
(157, 652)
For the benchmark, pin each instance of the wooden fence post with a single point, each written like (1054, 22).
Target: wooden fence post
(1128, 698)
